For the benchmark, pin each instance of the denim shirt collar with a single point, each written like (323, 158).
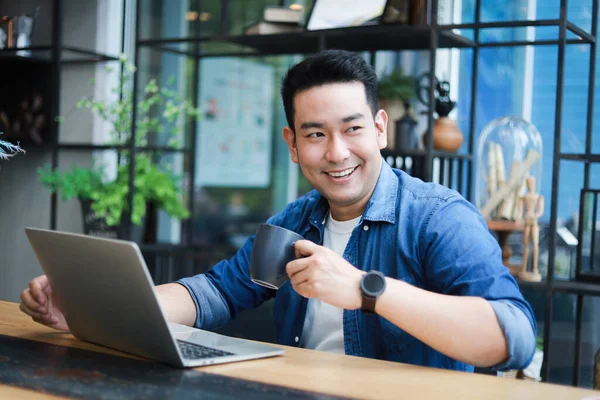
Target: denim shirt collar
(381, 205)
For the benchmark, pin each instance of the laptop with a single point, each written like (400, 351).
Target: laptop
(107, 296)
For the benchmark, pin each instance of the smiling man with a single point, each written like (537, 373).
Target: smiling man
(337, 143)
(392, 268)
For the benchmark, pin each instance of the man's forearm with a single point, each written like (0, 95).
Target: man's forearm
(464, 328)
(177, 303)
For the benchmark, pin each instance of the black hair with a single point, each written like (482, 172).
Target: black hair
(327, 67)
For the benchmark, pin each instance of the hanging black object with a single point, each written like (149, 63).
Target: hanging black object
(446, 135)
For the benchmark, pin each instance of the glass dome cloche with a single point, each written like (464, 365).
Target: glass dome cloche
(509, 150)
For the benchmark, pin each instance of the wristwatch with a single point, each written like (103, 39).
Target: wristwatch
(372, 285)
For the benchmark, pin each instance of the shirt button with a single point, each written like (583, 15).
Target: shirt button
(296, 339)
(366, 227)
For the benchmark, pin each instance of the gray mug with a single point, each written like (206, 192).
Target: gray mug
(273, 249)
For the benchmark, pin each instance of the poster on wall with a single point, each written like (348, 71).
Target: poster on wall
(233, 143)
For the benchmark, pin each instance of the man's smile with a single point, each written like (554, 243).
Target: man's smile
(342, 173)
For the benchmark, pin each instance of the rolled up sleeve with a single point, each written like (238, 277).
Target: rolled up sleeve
(211, 309)
(464, 259)
(518, 333)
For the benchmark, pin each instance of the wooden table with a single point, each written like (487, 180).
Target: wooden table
(303, 372)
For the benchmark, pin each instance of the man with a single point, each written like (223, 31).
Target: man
(445, 300)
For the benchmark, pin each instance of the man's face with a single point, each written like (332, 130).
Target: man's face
(337, 144)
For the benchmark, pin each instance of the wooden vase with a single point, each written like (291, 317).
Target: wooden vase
(446, 135)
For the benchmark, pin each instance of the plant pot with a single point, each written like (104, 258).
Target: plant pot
(94, 225)
(446, 135)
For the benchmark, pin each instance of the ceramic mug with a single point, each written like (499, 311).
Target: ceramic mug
(273, 249)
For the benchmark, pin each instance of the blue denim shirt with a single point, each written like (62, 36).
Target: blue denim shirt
(421, 233)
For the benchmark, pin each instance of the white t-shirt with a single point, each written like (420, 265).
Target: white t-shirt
(323, 326)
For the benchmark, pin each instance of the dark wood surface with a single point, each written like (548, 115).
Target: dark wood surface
(77, 373)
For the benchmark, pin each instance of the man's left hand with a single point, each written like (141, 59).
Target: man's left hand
(321, 273)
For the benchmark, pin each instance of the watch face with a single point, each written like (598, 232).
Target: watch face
(372, 284)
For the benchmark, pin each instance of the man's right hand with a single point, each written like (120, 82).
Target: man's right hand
(36, 301)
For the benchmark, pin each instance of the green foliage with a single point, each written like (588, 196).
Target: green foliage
(82, 183)
(109, 200)
(160, 108)
(396, 86)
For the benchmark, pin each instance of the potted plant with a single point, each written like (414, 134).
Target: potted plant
(104, 202)
(395, 92)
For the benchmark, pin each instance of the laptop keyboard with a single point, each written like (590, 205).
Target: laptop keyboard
(193, 351)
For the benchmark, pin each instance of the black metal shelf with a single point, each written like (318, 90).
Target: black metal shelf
(386, 37)
(515, 43)
(143, 149)
(403, 153)
(559, 286)
(38, 54)
(577, 287)
(73, 54)
(588, 158)
(423, 153)
(503, 24)
(362, 38)
(585, 37)
(107, 147)
(445, 154)
(43, 54)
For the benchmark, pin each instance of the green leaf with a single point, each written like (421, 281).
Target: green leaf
(151, 87)
(84, 103)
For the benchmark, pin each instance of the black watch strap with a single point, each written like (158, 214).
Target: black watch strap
(368, 304)
(372, 285)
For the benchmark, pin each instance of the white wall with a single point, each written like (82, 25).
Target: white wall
(22, 203)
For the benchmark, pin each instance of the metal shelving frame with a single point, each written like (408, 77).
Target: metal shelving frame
(580, 289)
